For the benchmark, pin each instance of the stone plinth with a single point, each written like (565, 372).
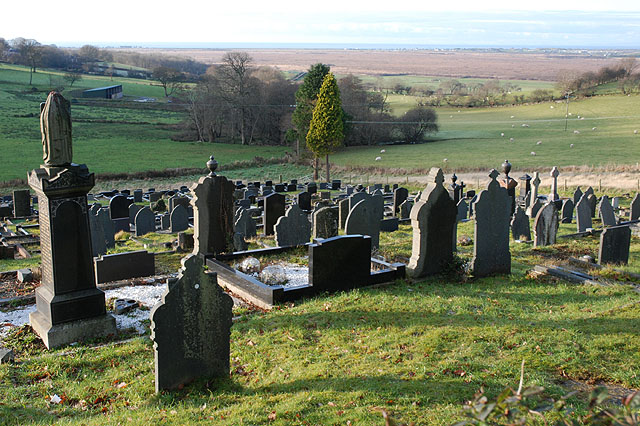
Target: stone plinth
(69, 306)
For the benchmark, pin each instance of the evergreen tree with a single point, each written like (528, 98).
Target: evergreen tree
(326, 130)
(306, 97)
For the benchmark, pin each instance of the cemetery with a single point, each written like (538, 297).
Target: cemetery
(302, 302)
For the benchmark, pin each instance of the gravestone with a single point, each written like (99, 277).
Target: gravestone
(546, 226)
(245, 224)
(119, 207)
(399, 197)
(463, 209)
(472, 202)
(137, 195)
(179, 219)
(583, 214)
(589, 191)
(340, 263)
(577, 194)
(154, 196)
(191, 328)
(280, 187)
(405, 209)
(239, 243)
(21, 203)
(304, 200)
(533, 195)
(593, 204)
(343, 212)
(107, 226)
(615, 203)
(336, 184)
(378, 205)
(133, 211)
(389, 225)
(607, 215)
(325, 195)
(121, 266)
(520, 227)
(69, 306)
(356, 197)
(274, 205)
(98, 240)
(325, 223)
(491, 249)
(177, 199)
(293, 228)
(165, 221)
(433, 218)
(635, 208)
(364, 219)
(614, 245)
(567, 211)
(535, 207)
(553, 196)
(145, 221)
(212, 212)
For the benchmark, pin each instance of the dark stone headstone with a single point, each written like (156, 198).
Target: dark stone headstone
(325, 222)
(122, 266)
(635, 208)
(293, 228)
(21, 203)
(133, 210)
(69, 306)
(119, 207)
(567, 211)
(545, 226)
(343, 212)
(185, 241)
(98, 239)
(583, 214)
(245, 224)
(304, 200)
(491, 250)
(280, 187)
(356, 197)
(154, 196)
(312, 188)
(292, 187)
(179, 219)
(324, 186)
(274, 205)
(364, 219)
(399, 197)
(165, 221)
(389, 225)
(405, 209)
(145, 221)
(607, 215)
(577, 194)
(137, 195)
(433, 218)
(191, 328)
(213, 226)
(340, 263)
(589, 191)
(520, 226)
(336, 184)
(463, 209)
(614, 245)
(593, 203)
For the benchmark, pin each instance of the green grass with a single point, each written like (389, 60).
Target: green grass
(471, 138)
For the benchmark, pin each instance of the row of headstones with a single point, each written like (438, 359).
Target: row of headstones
(18, 204)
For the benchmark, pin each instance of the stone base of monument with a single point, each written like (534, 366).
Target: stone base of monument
(55, 336)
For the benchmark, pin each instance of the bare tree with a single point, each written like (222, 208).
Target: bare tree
(72, 77)
(236, 83)
(170, 79)
(30, 52)
(4, 48)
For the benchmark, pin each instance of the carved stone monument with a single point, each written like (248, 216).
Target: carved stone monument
(69, 306)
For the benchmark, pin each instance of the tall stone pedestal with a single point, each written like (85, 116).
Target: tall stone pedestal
(69, 306)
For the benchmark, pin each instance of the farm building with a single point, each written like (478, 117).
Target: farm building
(108, 92)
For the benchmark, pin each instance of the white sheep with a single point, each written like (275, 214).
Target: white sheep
(576, 132)
(378, 158)
(445, 160)
(571, 146)
(502, 134)
(539, 143)
(383, 151)
(510, 139)
(594, 129)
(533, 153)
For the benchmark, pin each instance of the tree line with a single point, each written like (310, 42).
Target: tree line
(625, 74)
(237, 101)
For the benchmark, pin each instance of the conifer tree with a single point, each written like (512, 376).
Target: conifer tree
(326, 130)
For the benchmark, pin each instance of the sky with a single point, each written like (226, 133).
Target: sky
(462, 23)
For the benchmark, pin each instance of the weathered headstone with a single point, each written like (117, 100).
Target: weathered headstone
(583, 214)
(593, 203)
(535, 208)
(245, 224)
(533, 195)
(491, 250)
(239, 243)
(520, 227)
(293, 228)
(21, 203)
(191, 328)
(212, 212)
(154, 196)
(145, 221)
(69, 305)
(589, 191)
(98, 240)
(325, 222)
(635, 208)
(472, 202)
(567, 211)
(463, 209)
(553, 196)
(179, 219)
(356, 197)
(274, 205)
(577, 194)
(364, 219)
(607, 215)
(405, 209)
(165, 221)
(545, 226)
(178, 199)
(614, 245)
(433, 218)
(399, 196)
(133, 211)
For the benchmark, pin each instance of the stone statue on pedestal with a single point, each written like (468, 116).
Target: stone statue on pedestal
(55, 125)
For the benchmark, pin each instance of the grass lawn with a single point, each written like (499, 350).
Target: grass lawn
(418, 350)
